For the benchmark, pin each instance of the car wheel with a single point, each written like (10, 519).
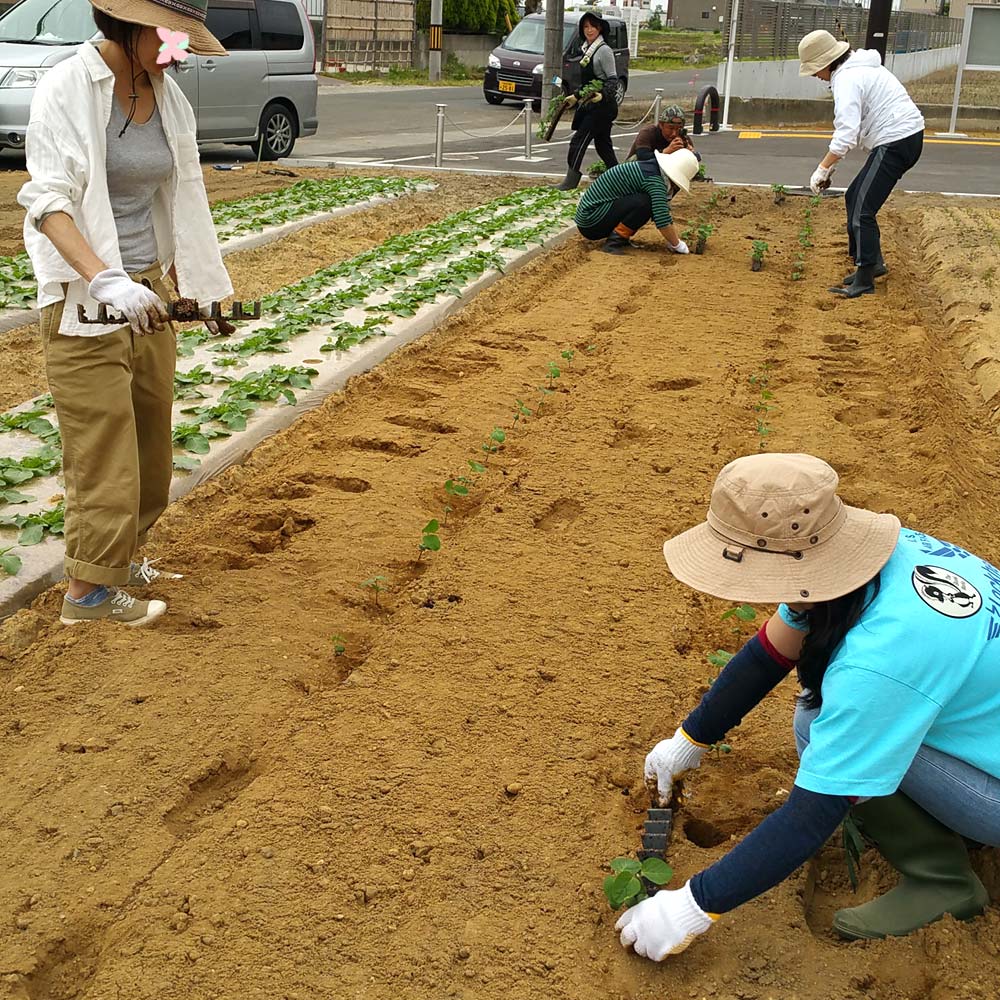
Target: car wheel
(492, 98)
(620, 92)
(277, 131)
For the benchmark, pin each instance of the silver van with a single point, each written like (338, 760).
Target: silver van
(262, 94)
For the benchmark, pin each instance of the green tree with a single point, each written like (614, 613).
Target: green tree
(655, 23)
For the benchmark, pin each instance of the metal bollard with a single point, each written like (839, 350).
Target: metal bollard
(439, 137)
(657, 104)
(527, 130)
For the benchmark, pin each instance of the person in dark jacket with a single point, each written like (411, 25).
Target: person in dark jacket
(665, 136)
(593, 119)
(626, 197)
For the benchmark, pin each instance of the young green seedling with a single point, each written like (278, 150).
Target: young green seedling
(568, 356)
(522, 411)
(624, 888)
(854, 847)
(374, 584)
(430, 541)
(720, 748)
(339, 647)
(477, 467)
(456, 488)
(705, 229)
(11, 565)
(719, 659)
(779, 193)
(552, 373)
(757, 250)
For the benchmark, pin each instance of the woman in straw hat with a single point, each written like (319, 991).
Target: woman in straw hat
(871, 109)
(117, 215)
(896, 638)
(623, 199)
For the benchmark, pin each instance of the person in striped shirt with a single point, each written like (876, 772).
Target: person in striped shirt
(625, 197)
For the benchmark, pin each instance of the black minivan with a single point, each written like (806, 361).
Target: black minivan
(514, 67)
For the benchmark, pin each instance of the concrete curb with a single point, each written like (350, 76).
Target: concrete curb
(42, 565)
(17, 318)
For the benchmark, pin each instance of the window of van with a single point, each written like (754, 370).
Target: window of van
(231, 25)
(42, 22)
(621, 37)
(280, 25)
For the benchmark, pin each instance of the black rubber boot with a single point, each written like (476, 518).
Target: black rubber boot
(615, 244)
(570, 181)
(880, 271)
(863, 284)
(933, 862)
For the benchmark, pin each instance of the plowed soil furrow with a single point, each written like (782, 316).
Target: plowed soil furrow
(237, 811)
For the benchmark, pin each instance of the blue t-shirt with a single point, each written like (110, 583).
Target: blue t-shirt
(922, 666)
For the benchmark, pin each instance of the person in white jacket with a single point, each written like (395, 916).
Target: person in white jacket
(117, 216)
(873, 110)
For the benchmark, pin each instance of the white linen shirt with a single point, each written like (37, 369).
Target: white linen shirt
(66, 150)
(870, 106)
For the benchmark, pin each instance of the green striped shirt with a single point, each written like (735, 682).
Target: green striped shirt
(621, 180)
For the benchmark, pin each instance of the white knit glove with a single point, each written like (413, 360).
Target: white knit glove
(820, 179)
(668, 760)
(681, 247)
(141, 306)
(665, 924)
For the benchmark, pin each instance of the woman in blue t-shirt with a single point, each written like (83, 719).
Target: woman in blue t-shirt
(896, 637)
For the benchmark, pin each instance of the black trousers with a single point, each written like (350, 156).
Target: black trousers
(634, 210)
(598, 128)
(869, 190)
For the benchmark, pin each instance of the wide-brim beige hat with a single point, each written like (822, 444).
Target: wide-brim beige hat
(777, 531)
(817, 50)
(177, 15)
(680, 167)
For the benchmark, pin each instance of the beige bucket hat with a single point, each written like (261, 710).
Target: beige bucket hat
(680, 167)
(817, 50)
(177, 15)
(777, 531)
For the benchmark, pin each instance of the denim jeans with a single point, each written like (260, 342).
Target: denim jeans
(957, 794)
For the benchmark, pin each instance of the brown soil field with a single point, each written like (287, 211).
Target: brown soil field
(979, 89)
(258, 272)
(219, 807)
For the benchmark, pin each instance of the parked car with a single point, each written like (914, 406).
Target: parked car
(514, 67)
(263, 92)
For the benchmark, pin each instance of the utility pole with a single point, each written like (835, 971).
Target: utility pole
(552, 67)
(878, 26)
(434, 41)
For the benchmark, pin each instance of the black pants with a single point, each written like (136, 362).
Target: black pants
(869, 190)
(634, 210)
(598, 128)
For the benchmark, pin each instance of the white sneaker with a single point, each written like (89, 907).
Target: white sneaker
(117, 606)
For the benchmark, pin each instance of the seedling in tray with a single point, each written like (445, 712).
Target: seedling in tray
(757, 251)
(704, 231)
(633, 881)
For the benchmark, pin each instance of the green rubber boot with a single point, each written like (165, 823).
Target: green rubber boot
(933, 862)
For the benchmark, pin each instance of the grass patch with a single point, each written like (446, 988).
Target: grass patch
(673, 48)
(452, 72)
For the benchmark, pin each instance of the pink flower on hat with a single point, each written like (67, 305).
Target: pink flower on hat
(174, 46)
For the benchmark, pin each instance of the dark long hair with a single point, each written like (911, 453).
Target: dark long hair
(828, 623)
(840, 60)
(120, 32)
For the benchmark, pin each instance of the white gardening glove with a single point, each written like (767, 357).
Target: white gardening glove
(141, 306)
(681, 247)
(820, 179)
(665, 924)
(668, 760)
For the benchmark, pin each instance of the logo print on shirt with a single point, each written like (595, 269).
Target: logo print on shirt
(946, 592)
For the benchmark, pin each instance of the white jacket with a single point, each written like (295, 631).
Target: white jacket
(66, 149)
(870, 106)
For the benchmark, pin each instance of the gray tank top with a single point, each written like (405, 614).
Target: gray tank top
(137, 164)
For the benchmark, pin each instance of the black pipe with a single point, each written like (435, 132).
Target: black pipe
(697, 126)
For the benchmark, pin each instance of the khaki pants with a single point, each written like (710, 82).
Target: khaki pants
(113, 396)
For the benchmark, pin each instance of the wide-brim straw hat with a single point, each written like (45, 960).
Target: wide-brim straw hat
(680, 167)
(817, 50)
(777, 531)
(177, 15)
